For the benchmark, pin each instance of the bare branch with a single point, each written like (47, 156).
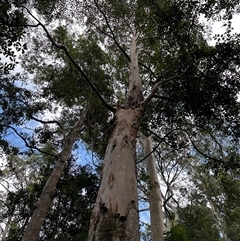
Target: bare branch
(163, 97)
(153, 150)
(48, 122)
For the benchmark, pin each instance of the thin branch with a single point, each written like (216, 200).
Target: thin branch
(22, 25)
(28, 145)
(163, 97)
(155, 87)
(162, 138)
(153, 150)
(60, 46)
(209, 157)
(144, 210)
(113, 35)
(47, 122)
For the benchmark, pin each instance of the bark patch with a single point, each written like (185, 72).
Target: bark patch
(111, 180)
(113, 227)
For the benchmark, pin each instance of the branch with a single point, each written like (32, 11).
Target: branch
(155, 87)
(153, 150)
(209, 157)
(163, 97)
(28, 145)
(60, 46)
(22, 25)
(163, 138)
(113, 35)
(47, 122)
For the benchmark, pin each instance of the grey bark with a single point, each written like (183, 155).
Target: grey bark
(48, 193)
(115, 216)
(155, 196)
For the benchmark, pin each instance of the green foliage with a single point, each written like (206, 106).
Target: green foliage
(10, 36)
(199, 223)
(177, 233)
(69, 215)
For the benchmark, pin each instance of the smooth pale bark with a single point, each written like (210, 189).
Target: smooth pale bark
(48, 193)
(115, 216)
(6, 228)
(219, 222)
(155, 196)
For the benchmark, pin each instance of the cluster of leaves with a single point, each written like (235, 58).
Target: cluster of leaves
(70, 212)
(11, 16)
(177, 233)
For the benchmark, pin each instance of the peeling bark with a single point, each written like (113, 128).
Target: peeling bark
(48, 193)
(155, 197)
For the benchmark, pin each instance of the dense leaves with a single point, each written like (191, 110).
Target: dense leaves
(10, 35)
(69, 215)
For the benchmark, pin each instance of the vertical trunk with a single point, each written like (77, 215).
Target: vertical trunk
(6, 228)
(155, 197)
(48, 193)
(115, 216)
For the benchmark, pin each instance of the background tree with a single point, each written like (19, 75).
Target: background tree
(71, 209)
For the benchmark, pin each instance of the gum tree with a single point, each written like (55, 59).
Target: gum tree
(161, 70)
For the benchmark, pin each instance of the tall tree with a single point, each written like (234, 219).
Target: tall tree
(155, 195)
(173, 75)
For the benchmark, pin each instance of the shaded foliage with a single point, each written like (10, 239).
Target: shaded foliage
(69, 215)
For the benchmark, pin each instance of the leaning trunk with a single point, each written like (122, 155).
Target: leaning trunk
(115, 216)
(155, 196)
(48, 193)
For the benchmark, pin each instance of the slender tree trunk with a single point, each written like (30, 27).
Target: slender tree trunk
(6, 228)
(115, 216)
(48, 193)
(155, 196)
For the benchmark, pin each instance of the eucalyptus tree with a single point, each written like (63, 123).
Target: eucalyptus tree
(160, 68)
(155, 194)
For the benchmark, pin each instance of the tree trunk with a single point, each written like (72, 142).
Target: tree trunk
(115, 216)
(6, 228)
(48, 193)
(155, 196)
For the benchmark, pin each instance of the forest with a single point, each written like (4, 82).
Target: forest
(119, 120)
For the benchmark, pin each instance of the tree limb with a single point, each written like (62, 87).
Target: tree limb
(60, 46)
(155, 87)
(28, 145)
(113, 35)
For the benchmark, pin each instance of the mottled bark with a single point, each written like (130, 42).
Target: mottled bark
(115, 216)
(155, 196)
(48, 193)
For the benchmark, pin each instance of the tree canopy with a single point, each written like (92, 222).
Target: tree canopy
(102, 72)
